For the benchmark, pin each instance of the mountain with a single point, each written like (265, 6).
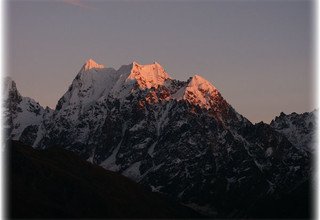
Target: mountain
(23, 115)
(179, 138)
(300, 129)
(55, 183)
(92, 81)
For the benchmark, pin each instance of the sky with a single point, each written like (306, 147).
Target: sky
(258, 54)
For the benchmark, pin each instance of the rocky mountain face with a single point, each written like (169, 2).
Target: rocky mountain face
(179, 138)
(299, 129)
(23, 115)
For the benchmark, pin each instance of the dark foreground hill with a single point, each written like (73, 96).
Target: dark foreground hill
(55, 183)
(296, 204)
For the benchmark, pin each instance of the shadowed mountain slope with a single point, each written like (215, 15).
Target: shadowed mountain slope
(55, 183)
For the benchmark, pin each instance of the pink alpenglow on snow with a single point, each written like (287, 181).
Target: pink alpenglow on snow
(91, 64)
(198, 90)
(149, 75)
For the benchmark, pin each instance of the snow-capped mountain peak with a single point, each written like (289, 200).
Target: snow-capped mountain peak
(136, 76)
(90, 84)
(198, 91)
(199, 83)
(149, 75)
(91, 64)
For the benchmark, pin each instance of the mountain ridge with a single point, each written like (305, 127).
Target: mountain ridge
(198, 150)
(298, 128)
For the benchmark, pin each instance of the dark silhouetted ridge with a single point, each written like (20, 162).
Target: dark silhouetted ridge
(55, 183)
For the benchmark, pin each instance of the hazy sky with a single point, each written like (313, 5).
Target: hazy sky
(257, 53)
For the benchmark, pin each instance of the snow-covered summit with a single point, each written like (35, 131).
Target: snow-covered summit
(137, 76)
(198, 91)
(95, 82)
(149, 75)
(91, 64)
(200, 84)
(90, 84)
